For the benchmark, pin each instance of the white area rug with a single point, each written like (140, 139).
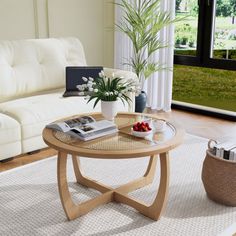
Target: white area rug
(30, 202)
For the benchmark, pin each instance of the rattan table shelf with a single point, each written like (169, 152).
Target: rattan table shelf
(122, 145)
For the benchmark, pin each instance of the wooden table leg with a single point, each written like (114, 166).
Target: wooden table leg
(65, 196)
(86, 181)
(151, 169)
(119, 194)
(155, 210)
(73, 210)
(146, 179)
(159, 204)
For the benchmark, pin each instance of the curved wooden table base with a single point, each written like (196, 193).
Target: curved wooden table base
(109, 194)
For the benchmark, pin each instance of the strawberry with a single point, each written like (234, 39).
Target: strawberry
(142, 127)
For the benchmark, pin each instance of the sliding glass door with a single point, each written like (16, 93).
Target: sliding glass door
(205, 53)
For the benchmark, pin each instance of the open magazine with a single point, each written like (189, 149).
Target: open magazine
(85, 127)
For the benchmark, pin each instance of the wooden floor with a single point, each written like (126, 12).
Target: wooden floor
(199, 125)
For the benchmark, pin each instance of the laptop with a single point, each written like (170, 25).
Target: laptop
(74, 76)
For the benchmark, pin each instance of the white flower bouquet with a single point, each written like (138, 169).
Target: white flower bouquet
(108, 89)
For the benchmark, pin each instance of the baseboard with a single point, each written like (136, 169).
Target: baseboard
(34, 152)
(7, 160)
(203, 110)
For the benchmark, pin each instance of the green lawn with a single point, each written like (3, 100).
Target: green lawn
(204, 86)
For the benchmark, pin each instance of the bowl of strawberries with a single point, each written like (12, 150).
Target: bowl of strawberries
(141, 129)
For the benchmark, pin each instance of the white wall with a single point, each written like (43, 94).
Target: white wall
(90, 20)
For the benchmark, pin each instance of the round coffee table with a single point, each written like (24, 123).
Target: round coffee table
(121, 145)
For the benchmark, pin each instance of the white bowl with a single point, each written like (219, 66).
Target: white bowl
(140, 134)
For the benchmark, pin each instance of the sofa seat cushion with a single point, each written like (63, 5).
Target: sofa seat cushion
(10, 137)
(33, 113)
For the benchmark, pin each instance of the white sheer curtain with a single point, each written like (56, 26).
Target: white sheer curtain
(159, 86)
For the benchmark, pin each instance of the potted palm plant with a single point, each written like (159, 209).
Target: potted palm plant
(142, 23)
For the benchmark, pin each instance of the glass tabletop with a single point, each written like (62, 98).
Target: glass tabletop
(124, 139)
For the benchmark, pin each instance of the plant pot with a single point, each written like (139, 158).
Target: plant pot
(140, 102)
(109, 109)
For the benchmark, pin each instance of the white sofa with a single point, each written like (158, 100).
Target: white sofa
(32, 81)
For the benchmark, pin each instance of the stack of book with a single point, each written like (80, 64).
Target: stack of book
(85, 127)
(224, 148)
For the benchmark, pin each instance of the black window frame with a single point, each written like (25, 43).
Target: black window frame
(203, 51)
(204, 38)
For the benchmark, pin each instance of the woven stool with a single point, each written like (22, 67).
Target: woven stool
(219, 179)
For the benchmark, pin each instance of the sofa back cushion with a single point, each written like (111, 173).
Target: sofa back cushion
(31, 66)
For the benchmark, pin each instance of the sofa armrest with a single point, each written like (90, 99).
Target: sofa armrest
(126, 75)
